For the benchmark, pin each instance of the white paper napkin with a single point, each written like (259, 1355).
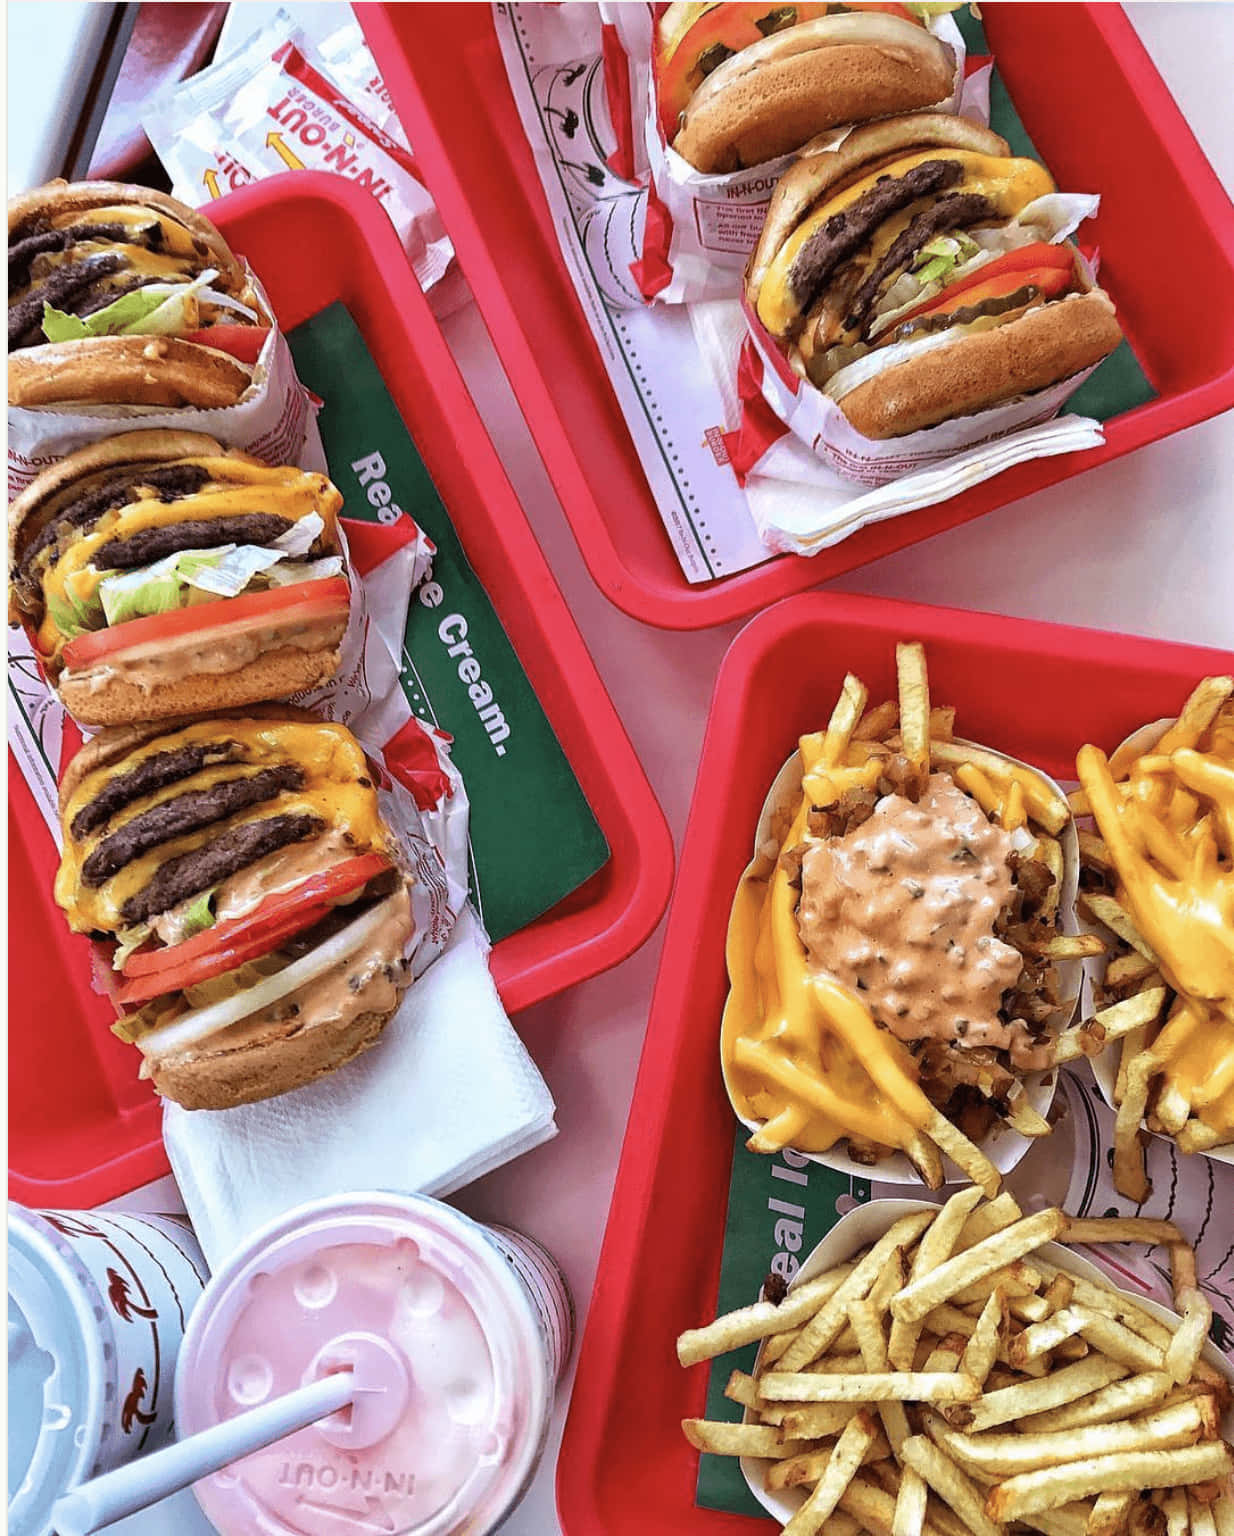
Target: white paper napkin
(447, 1094)
(800, 506)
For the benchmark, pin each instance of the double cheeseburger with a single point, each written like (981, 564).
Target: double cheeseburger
(912, 275)
(252, 921)
(119, 295)
(159, 574)
(738, 85)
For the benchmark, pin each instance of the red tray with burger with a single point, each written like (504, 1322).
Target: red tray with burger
(1031, 694)
(1100, 117)
(83, 1128)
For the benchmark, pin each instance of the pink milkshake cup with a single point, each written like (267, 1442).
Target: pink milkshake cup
(456, 1335)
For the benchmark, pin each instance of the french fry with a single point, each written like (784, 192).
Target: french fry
(1130, 1173)
(1119, 1400)
(1177, 1520)
(1110, 1515)
(1108, 911)
(1119, 1342)
(1120, 1229)
(1068, 1520)
(1201, 1517)
(1195, 1136)
(949, 1483)
(1073, 946)
(1027, 1397)
(982, 1348)
(936, 1246)
(921, 1296)
(926, 1159)
(1223, 1513)
(844, 717)
(910, 1510)
(1183, 1352)
(867, 1325)
(878, 722)
(816, 1421)
(914, 688)
(1195, 717)
(857, 1437)
(722, 1439)
(749, 1324)
(1127, 1472)
(1046, 805)
(1116, 1022)
(988, 1219)
(1003, 1456)
(1127, 969)
(799, 1471)
(1044, 1337)
(1182, 1272)
(871, 1387)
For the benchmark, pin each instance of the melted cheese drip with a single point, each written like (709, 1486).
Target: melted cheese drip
(237, 489)
(1167, 818)
(1009, 183)
(338, 789)
(801, 1053)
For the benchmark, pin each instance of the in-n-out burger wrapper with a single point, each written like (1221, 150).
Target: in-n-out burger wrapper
(1003, 1146)
(275, 419)
(814, 416)
(1105, 1066)
(701, 229)
(276, 104)
(862, 1228)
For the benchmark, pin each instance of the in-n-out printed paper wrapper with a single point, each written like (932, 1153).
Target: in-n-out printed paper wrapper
(701, 228)
(276, 104)
(420, 791)
(275, 419)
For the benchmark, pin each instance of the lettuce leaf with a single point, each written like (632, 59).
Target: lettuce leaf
(199, 914)
(127, 940)
(156, 310)
(74, 614)
(305, 570)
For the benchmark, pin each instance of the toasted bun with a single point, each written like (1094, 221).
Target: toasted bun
(126, 370)
(820, 173)
(59, 196)
(1048, 344)
(223, 1077)
(114, 744)
(777, 94)
(274, 673)
(155, 446)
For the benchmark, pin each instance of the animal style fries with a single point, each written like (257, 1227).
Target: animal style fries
(893, 949)
(1157, 872)
(922, 1434)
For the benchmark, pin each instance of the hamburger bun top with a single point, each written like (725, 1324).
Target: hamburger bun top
(820, 173)
(777, 94)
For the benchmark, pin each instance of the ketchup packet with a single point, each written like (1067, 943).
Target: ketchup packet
(701, 228)
(278, 104)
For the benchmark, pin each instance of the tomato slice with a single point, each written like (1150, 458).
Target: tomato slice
(302, 600)
(243, 342)
(1049, 268)
(151, 973)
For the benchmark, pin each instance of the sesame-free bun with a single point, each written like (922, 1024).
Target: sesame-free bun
(219, 1075)
(822, 172)
(1048, 344)
(275, 671)
(126, 370)
(774, 96)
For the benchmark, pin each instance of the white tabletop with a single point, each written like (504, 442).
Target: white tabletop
(1143, 545)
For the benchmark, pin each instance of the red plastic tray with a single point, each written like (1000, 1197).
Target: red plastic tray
(1101, 117)
(1036, 690)
(82, 1128)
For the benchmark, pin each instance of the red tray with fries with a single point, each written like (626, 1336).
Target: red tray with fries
(82, 1128)
(1098, 112)
(1036, 691)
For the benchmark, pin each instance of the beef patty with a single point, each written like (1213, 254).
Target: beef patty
(185, 813)
(955, 211)
(190, 873)
(152, 773)
(150, 544)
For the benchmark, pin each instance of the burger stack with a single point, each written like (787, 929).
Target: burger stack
(250, 908)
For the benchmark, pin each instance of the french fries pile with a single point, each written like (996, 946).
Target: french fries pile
(857, 746)
(950, 1380)
(1164, 844)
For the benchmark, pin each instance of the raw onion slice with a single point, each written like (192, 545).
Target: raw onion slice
(191, 1028)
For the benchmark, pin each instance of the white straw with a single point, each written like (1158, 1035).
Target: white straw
(144, 1482)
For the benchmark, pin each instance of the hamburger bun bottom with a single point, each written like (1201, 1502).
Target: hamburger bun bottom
(224, 1078)
(1043, 347)
(274, 674)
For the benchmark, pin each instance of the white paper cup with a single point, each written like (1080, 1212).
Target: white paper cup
(866, 1225)
(1003, 1146)
(98, 1302)
(462, 1331)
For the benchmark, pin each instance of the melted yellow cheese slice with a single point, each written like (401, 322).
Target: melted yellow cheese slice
(338, 789)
